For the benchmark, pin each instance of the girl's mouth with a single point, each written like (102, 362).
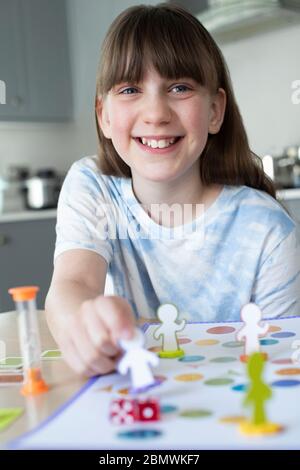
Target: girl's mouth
(160, 147)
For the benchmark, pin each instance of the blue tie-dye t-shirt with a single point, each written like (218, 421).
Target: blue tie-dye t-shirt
(242, 248)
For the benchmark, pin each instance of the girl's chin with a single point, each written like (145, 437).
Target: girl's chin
(158, 176)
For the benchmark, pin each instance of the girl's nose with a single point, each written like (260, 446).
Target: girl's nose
(156, 110)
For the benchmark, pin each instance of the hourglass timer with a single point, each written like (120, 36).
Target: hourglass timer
(25, 301)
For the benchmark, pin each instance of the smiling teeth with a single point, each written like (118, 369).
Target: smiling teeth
(158, 143)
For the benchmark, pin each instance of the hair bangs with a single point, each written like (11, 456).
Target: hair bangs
(156, 37)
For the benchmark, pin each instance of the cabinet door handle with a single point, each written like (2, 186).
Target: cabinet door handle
(3, 239)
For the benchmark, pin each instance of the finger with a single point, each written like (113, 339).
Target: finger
(93, 359)
(73, 359)
(90, 357)
(98, 332)
(117, 315)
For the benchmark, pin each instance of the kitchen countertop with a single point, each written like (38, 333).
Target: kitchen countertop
(28, 215)
(284, 194)
(62, 380)
(288, 194)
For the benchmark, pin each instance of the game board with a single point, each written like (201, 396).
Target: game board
(200, 394)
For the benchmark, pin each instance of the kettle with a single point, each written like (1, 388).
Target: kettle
(42, 190)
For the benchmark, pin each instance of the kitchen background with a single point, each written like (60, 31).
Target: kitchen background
(48, 58)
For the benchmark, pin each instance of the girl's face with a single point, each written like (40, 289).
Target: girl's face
(159, 127)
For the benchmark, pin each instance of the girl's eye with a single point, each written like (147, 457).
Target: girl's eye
(181, 88)
(127, 91)
(133, 90)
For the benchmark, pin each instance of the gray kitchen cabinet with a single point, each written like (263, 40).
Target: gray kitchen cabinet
(293, 208)
(34, 60)
(26, 257)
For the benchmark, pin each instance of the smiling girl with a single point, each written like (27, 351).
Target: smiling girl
(175, 207)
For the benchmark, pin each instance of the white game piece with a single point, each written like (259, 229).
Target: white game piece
(251, 315)
(167, 314)
(138, 361)
(296, 354)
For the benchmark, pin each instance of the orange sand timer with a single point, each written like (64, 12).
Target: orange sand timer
(24, 298)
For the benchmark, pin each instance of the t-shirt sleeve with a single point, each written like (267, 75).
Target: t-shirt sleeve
(277, 287)
(81, 215)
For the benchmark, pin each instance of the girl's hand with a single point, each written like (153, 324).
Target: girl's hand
(89, 342)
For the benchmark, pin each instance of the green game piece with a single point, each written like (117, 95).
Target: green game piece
(51, 354)
(8, 416)
(258, 392)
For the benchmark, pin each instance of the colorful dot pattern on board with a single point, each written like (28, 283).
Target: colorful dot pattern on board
(221, 330)
(211, 343)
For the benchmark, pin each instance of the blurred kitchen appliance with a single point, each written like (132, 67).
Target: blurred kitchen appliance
(42, 189)
(12, 189)
(284, 169)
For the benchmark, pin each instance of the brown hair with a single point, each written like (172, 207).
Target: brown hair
(177, 45)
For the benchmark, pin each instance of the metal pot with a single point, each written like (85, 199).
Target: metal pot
(284, 169)
(11, 197)
(42, 190)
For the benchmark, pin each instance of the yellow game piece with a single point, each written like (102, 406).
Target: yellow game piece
(251, 429)
(171, 354)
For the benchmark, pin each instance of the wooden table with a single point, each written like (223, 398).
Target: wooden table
(62, 380)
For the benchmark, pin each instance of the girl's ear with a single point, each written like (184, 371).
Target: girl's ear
(218, 106)
(102, 117)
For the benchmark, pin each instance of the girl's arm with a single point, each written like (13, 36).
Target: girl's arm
(78, 275)
(86, 324)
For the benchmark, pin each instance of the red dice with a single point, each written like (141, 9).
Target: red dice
(123, 411)
(149, 410)
(128, 411)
